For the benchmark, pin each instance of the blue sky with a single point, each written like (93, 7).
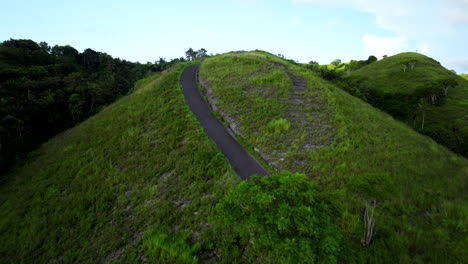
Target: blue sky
(303, 30)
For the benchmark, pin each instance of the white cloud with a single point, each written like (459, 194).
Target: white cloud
(384, 46)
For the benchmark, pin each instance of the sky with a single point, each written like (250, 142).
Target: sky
(302, 30)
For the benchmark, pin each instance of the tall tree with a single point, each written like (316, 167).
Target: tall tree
(190, 54)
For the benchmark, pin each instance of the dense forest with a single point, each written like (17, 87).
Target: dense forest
(44, 90)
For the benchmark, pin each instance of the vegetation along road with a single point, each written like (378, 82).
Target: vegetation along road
(243, 163)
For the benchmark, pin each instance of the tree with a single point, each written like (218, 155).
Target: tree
(46, 90)
(162, 64)
(371, 59)
(45, 47)
(433, 92)
(190, 54)
(447, 83)
(423, 106)
(336, 62)
(404, 66)
(201, 53)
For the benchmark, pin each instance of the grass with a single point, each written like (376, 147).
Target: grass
(378, 74)
(141, 182)
(419, 186)
(134, 183)
(464, 76)
(447, 123)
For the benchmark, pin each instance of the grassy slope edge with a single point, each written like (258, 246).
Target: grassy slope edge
(419, 187)
(107, 189)
(447, 123)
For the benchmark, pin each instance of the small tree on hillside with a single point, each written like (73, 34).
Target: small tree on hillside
(447, 83)
(201, 53)
(336, 62)
(404, 66)
(371, 59)
(190, 54)
(433, 92)
(423, 107)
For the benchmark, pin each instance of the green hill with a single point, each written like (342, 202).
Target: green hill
(397, 85)
(108, 189)
(464, 76)
(390, 75)
(301, 123)
(141, 182)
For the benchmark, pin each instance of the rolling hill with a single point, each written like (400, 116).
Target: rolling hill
(301, 123)
(141, 182)
(108, 189)
(398, 83)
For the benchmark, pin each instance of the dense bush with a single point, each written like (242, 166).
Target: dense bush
(284, 218)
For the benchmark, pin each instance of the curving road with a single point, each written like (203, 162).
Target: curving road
(243, 163)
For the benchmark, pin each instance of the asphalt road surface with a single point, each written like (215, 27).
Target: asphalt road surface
(243, 163)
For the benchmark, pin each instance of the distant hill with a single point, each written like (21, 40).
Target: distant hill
(302, 123)
(397, 85)
(402, 73)
(464, 76)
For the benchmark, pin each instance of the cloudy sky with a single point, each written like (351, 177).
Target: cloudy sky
(303, 30)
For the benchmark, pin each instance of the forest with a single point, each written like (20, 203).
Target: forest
(45, 90)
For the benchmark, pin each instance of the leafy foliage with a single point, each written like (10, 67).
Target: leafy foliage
(283, 218)
(45, 90)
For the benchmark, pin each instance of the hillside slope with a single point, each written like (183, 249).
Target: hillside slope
(112, 188)
(398, 85)
(301, 123)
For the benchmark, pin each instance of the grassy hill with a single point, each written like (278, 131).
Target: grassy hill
(464, 76)
(136, 179)
(388, 74)
(141, 182)
(394, 84)
(301, 123)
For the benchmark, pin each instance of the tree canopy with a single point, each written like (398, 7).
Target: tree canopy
(44, 90)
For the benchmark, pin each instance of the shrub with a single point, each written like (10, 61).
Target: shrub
(165, 246)
(282, 218)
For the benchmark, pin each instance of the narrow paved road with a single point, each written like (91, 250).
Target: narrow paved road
(243, 163)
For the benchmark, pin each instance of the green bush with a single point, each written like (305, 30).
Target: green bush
(165, 246)
(283, 218)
